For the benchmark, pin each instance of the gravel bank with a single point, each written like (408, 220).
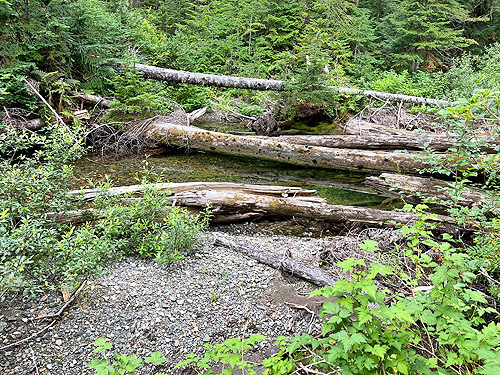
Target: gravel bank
(142, 306)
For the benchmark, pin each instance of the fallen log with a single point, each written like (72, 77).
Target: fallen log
(308, 207)
(93, 99)
(418, 187)
(314, 275)
(310, 156)
(375, 142)
(172, 188)
(361, 128)
(364, 133)
(171, 75)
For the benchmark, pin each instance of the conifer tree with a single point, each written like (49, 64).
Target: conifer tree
(425, 33)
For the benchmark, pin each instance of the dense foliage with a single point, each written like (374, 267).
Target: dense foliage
(357, 41)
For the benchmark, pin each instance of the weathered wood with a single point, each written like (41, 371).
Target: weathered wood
(364, 134)
(171, 75)
(93, 99)
(314, 275)
(411, 186)
(172, 188)
(375, 142)
(361, 127)
(311, 156)
(308, 207)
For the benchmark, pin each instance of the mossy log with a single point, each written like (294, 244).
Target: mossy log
(419, 187)
(274, 150)
(314, 275)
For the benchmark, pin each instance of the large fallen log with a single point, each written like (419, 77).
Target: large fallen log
(419, 187)
(311, 156)
(171, 75)
(172, 188)
(377, 142)
(308, 207)
(314, 275)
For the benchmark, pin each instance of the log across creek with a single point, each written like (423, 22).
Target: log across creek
(228, 201)
(269, 149)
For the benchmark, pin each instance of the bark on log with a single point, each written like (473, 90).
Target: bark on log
(90, 194)
(171, 75)
(376, 142)
(312, 274)
(311, 156)
(429, 187)
(371, 142)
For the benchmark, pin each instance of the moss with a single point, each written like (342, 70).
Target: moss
(324, 127)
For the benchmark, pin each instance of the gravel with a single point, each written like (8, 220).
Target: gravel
(141, 307)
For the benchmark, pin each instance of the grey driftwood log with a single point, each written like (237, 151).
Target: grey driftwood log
(274, 150)
(420, 187)
(362, 134)
(172, 188)
(228, 202)
(314, 275)
(401, 141)
(202, 79)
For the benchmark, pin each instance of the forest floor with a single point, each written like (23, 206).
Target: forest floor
(141, 307)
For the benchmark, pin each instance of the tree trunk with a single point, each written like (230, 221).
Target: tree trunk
(94, 99)
(314, 275)
(202, 79)
(310, 156)
(409, 186)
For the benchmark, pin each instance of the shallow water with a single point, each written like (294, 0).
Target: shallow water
(337, 187)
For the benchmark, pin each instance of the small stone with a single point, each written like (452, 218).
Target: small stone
(176, 343)
(180, 302)
(164, 305)
(58, 342)
(206, 338)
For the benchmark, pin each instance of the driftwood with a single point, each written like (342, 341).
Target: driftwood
(170, 75)
(362, 133)
(311, 156)
(90, 194)
(93, 99)
(312, 274)
(412, 186)
(376, 142)
(308, 207)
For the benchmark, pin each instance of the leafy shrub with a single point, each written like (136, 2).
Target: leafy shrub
(123, 364)
(13, 92)
(473, 73)
(441, 328)
(38, 252)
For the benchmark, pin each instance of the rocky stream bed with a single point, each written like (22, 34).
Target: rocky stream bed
(141, 307)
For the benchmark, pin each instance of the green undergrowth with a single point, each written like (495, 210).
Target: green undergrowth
(37, 251)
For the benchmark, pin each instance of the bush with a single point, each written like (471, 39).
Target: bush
(37, 252)
(473, 73)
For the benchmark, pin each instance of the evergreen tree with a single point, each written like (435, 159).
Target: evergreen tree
(425, 33)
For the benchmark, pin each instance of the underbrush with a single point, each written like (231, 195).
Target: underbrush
(40, 246)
